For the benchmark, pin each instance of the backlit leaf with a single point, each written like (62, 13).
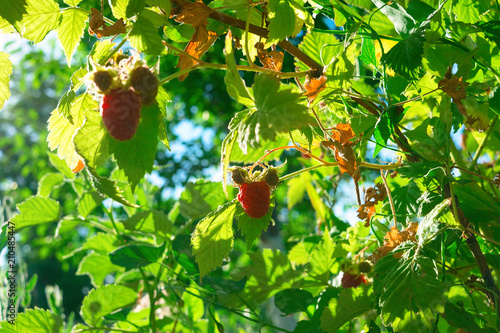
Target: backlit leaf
(104, 300)
(5, 73)
(92, 140)
(36, 210)
(71, 29)
(34, 321)
(213, 238)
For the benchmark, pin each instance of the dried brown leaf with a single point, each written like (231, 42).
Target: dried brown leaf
(394, 238)
(372, 196)
(98, 27)
(197, 46)
(344, 154)
(455, 88)
(313, 86)
(195, 13)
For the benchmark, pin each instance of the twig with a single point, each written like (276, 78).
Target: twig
(483, 143)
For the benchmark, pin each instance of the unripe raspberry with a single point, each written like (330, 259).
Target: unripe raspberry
(364, 267)
(121, 113)
(271, 177)
(103, 80)
(239, 175)
(145, 84)
(255, 199)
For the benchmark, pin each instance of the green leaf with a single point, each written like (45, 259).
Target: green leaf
(60, 165)
(350, 303)
(403, 23)
(36, 210)
(281, 20)
(89, 202)
(137, 155)
(290, 301)
(162, 99)
(153, 222)
(405, 200)
(105, 300)
(469, 11)
(477, 205)
(251, 228)
(133, 256)
(126, 8)
(108, 187)
(163, 4)
(410, 291)
(213, 238)
(67, 224)
(34, 321)
(101, 51)
(40, 18)
(5, 73)
(12, 11)
(321, 260)
(48, 182)
(405, 58)
(268, 272)
(225, 156)
(71, 30)
(277, 111)
(97, 266)
(64, 105)
(61, 131)
(296, 190)
(200, 198)
(92, 140)
(72, 3)
(234, 83)
(144, 37)
(321, 47)
(460, 318)
(368, 52)
(428, 226)
(491, 30)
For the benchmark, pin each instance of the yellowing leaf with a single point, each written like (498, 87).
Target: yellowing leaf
(61, 131)
(195, 13)
(71, 30)
(5, 72)
(41, 17)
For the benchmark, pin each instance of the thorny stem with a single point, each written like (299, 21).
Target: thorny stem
(112, 219)
(391, 202)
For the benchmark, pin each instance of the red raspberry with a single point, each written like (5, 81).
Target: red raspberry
(255, 198)
(121, 112)
(352, 281)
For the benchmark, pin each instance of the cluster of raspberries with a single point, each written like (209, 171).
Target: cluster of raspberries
(255, 191)
(124, 91)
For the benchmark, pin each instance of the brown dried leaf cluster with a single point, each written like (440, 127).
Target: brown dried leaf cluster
(394, 238)
(313, 86)
(195, 14)
(344, 154)
(271, 59)
(372, 196)
(98, 27)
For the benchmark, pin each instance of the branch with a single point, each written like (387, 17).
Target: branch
(262, 32)
(492, 291)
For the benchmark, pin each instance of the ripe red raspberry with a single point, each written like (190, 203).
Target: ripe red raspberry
(121, 112)
(352, 281)
(255, 198)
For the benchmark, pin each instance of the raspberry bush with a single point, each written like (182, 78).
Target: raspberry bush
(355, 174)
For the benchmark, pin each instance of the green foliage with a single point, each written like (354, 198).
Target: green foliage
(383, 131)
